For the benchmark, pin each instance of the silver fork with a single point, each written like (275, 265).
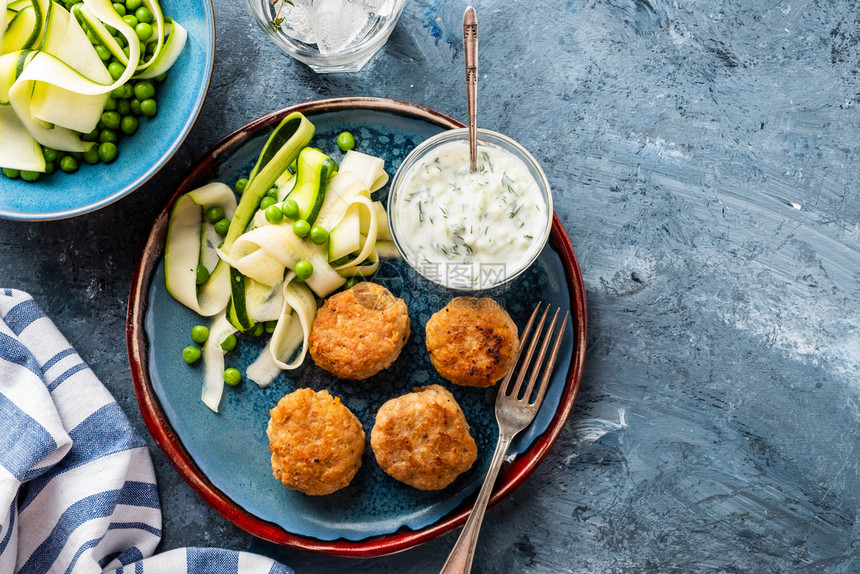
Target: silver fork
(515, 410)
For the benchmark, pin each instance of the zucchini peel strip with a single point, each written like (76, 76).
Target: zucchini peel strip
(213, 362)
(182, 250)
(290, 336)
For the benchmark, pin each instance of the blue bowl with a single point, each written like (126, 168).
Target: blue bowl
(180, 98)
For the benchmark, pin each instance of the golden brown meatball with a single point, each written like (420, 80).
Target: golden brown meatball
(422, 438)
(316, 442)
(472, 341)
(359, 332)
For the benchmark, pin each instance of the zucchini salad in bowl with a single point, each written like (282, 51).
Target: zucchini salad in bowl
(68, 71)
(96, 96)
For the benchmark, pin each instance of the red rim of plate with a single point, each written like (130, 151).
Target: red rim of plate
(512, 475)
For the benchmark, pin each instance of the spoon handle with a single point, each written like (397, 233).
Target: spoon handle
(470, 48)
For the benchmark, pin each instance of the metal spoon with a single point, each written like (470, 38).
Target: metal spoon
(470, 48)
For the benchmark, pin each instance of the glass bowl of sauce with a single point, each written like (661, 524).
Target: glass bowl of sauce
(470, 231)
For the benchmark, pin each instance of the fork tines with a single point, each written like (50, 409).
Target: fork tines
(526, 364)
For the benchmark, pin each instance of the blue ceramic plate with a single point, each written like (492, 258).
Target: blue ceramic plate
(180, 97)
(225, 455)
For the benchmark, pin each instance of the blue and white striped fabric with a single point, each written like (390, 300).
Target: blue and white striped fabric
(77, 485)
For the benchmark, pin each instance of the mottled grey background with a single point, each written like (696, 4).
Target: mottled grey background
(704, 157)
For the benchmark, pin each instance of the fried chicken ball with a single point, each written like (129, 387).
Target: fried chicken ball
(422, 438)
(472, 341)
(316, 442)
(359, 332)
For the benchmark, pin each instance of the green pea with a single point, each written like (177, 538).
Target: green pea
(150, 50)
(143, 14)
(162, 76)
(232, 377)
(270, 326)
(111, 120)
(118, 92)
(144, 32)
(241, 184)
(107, 135)
(110, 104)
(49, 154)
(123, 108)
(304, 269)
(28, 175)
(127, 51)
(266, 202)
(319, 235)
(108, 152)
(191, 354)
(68, 164)
(199, 333)
(274, 214)
(135, 107)
(144, 90)
(229, 343)
(148, 107)
(214, 213)
(115, 69)
(351, 282)
(345, 141)
(202, 274)
(258, 329)
(120, 39)
(222, 226)
(290, 208)
(130, 20)
(11, 173)
(119, 9)
(273, 192)
(128, 125)
(301, 227)
(103, 53)
(93, 135)
(49, 167)
(133, 4)
(91, 156)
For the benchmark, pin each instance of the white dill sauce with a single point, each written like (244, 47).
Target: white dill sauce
(471, 230)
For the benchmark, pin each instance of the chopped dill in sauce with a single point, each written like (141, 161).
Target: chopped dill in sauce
(491, 216)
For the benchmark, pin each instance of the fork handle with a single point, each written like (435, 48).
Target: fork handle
(460, 559)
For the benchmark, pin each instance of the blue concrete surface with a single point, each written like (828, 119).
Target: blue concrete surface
(704, 157)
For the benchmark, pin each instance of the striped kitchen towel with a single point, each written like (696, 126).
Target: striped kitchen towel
(77, 485)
